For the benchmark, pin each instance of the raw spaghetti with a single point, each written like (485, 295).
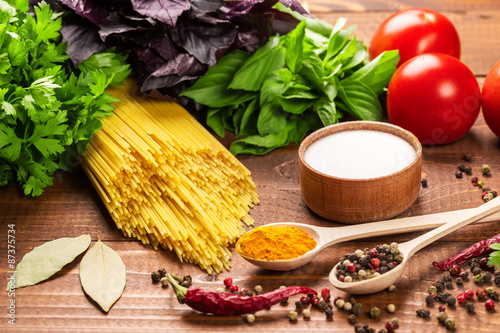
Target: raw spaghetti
(168, 182)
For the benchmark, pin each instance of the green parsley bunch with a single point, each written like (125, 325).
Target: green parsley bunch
(48, 108)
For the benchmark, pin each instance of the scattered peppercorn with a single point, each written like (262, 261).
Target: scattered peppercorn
(469, 294)
(470, 307)
(390, 326)
(424, 313)
(357, 309)
(162, 272)
(468, 157)
(485, 169)
(233, 288)
(481, 294)
(306, 313)
(458, 174)
(391, 288)
(228, 282)
(494, 295)
(488, 196)
(464, 275)
(305, 300)
(258, 289)
(480, 184)
(451, 300)
(292, 315)
(442, 308)
(461, 297)
(328, 313)
(391, 308)
(449, 323)
(298, 304)
(339, 303)
(325, 294)
(164, 282)
(475, 270)
(374, 312)
(352, 319)
(429, 300)
(322, 305)
(478, 278)
(424, 182)
(441, 317)
(494, 193)
(432, 290)
(155, 277)
(449, 285)
(489, 304)
(315, 300)
(250, 318)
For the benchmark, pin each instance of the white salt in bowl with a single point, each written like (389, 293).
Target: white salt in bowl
(370, 171)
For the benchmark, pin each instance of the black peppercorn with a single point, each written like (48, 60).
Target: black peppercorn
(468, 156)
(329, 313)
(449, 285)
(470, 307)
(451, 301)
(461, 167)
(424, 182)
(459, 281)
(494, 193)
(424, 313)
(352, 319)
(494, 295)
(155, 277)
(468, 170)
(357, 309)
(298, 304)
(459, 174)
(475, 270)
(487, 277)
(429, 299)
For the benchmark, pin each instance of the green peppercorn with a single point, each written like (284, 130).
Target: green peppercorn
(250, 318)
(485, 169)
(391, 308)
(395, 321)
(449, 323)
(292, 315)
(391, 288)
(442, 316)
(480, 184)
(357, 309)
(432, 290)
(374, 312)
(488, 196)
(478, 278)
(398, 258)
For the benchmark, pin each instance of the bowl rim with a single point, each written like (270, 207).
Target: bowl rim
(307, 141)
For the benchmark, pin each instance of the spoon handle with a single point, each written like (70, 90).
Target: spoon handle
(470, 216)
(333, 235)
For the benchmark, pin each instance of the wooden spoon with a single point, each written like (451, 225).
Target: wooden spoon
(410, 248)
(327, 236)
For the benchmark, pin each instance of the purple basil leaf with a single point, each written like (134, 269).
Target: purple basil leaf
(206, 43)
(166, 11)
(116, 24)
(167, 81)
(296, 7)
(183, 64)
(149, 57)
(283, 22)
(206, 11)
(83, 40)
(242, 8)
(93, 10)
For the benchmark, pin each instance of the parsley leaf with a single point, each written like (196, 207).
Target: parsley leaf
(49, 109)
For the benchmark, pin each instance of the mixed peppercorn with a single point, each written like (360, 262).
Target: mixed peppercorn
(486, 193)
(479, 273)
(368, 263)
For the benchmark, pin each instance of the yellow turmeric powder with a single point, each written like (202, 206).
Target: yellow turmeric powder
(271, 243)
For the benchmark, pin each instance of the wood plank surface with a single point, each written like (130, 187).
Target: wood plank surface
(71, 207)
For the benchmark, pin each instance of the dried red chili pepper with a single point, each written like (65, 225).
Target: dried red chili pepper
(475, 250)
(228, 304)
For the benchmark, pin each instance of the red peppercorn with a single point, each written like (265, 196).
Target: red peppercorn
(489, 304)
(305, 300)
(341, 278)
(474, 180)
(243, 291)
(314, 300)
(481, 294)
(483, 262)
(233, 288)
(228, 282)
(375, 262)
(325, 294)
(455, 270)
(374, 253)
(390, 326)
(395, 263)
(351, 268)
(442, 308)
(461, 297)
(469, 294)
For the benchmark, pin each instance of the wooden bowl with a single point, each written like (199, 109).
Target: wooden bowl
(360, 200)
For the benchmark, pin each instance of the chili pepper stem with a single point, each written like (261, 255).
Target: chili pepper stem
(179, 290)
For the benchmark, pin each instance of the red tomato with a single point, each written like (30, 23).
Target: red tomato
(413, 32)
(434, 96)
(491, 99)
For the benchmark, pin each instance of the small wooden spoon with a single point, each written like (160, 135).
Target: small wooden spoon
(410, 248)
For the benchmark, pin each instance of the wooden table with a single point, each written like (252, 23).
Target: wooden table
(71, 207)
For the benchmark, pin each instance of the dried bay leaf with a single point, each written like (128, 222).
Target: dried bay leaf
(102, 275)
(47, 259)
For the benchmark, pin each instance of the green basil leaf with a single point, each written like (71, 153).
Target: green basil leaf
(493, 261)
(357, 58)
(297, 128)
(47, 259)
(312, 70)
(272, 119)
(216, 120)
(294, 47)
(337, 42)
(102, 275)
(360, 100)
(378, 73)
(495, 246)
(259, 144)
(245, 119)
(326, 111)
(256, 69)
(212, 88)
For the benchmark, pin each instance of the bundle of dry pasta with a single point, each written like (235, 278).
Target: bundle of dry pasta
(168, 182)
